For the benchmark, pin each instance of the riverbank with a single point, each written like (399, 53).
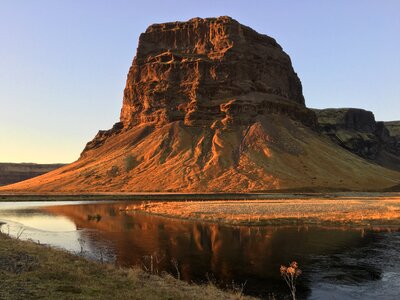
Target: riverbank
(112, 196)
(335, 211)
(31, 271)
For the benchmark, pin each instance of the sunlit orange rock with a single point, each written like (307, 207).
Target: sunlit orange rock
(209, 70)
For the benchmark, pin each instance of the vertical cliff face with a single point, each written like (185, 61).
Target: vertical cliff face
(209, 70)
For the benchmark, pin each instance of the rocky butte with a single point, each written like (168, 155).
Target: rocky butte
(212, 105)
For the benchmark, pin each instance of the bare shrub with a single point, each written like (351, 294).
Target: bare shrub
(176, 266)
(290, 275)
(151, 263)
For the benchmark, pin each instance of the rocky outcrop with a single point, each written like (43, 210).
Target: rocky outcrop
(102, 136)
(210, 71)
(357, 131)
(351, 128)
(14, 172)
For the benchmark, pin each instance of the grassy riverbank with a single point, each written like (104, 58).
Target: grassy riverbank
(335, 211)
(21, 197)
(31, 271)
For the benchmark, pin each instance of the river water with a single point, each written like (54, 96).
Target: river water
(337, 262)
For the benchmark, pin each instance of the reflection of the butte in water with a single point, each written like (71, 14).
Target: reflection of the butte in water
(252, 254)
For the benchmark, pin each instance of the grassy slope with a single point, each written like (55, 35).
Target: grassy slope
(30, 271)
(274, 153)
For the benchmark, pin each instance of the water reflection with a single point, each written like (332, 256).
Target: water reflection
(57, 231)
(336, 261)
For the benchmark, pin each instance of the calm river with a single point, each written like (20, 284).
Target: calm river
(337, 262)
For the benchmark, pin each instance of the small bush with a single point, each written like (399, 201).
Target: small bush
(114, 171)
(130, 163)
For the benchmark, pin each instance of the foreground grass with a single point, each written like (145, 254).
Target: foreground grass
(31, 271)
(338, 211)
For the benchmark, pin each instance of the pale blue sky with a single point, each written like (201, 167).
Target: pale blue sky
(63, 63)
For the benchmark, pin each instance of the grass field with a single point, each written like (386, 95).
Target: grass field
(341, 210)
(31, 271)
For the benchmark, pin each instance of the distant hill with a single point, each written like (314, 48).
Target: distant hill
(15, 172)
(357, 131)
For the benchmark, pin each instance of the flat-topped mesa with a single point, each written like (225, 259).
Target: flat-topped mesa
(210, 71)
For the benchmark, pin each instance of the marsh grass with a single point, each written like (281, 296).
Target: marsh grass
(236, 288)
(281, 212)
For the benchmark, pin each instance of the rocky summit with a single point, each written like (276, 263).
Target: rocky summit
(210, 105)
(209, 72)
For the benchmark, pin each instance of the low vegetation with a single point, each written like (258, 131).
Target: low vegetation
(113, 172)
(339, 211)
(130, 163)
(31, 271)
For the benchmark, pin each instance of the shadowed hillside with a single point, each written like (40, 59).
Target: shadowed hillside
(357, 131)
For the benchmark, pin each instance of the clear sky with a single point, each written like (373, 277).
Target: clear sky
(63, 63)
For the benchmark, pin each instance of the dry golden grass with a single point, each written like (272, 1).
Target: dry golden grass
(30, 271)
(362, 210)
